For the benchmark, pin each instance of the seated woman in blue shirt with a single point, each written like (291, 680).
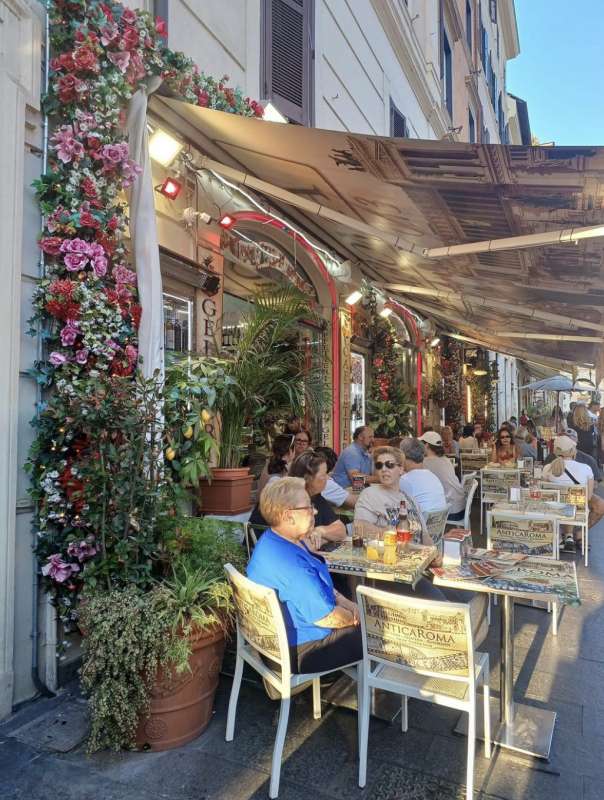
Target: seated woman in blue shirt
(322, 625)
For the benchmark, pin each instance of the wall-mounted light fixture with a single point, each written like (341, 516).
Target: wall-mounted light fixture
(170, 188)
(435, 341)
(164, 148)
(354, 297)
(226, 221)
(385, 312)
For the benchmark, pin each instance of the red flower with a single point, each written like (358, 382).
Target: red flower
(203, 99)
(161, 26)
(88, 221)
(88, 187)
(64, 61)
(131, 39)
(136, 312)
(128, 16)
(94, 144)
(63, 310)
(85, 59)
(51, 245)
(113, 223)
(69, 88)
(63, 287)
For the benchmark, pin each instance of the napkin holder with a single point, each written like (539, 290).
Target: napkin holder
(454, 547)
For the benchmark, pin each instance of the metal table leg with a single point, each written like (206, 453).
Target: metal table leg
(519, 727)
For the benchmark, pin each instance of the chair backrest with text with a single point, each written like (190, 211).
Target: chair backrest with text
(573, 494)
(259, 617)
(495, 483)
(526, 533)
(435, 523)
(430, 637)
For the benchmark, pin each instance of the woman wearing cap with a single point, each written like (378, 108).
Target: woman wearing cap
(439, 464)
(566, 470)
(504, 451)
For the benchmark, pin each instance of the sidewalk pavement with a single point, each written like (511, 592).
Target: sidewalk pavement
(42, 752)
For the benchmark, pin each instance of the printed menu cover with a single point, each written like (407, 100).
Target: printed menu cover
(408, 568)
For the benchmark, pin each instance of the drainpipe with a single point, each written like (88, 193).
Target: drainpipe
(41, 687)
(265, 219)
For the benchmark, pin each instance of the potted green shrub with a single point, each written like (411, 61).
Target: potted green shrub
(390, 417)
(152, 658)
(262, 376)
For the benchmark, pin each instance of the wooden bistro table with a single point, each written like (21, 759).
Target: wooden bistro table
(519, 727)
(409, 568)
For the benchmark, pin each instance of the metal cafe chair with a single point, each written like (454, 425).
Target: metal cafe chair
(576, 495)
(261, 632)
(469, 488)
(422, 649)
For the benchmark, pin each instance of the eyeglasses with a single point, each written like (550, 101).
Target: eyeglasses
(304, 508)
(302, 441)
(387, 464)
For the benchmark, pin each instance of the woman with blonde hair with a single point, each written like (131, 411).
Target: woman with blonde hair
(586, 434)
(565, 470)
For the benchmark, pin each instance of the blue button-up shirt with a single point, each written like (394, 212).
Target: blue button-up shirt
(302, 582)
(353, 458)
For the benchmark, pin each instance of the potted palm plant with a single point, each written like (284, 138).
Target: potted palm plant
(263, 376)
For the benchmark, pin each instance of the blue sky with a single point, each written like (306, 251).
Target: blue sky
(560, 69)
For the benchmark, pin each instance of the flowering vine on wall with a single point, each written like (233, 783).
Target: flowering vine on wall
(86, 306)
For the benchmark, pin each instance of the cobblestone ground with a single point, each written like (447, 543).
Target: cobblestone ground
(42, 754)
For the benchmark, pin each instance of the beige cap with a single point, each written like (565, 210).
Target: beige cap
(564, 443)
(431, 437)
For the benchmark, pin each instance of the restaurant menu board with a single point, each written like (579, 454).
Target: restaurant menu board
(496, 483)
(408, 568)
(521, 534)
(473, 462)
(256, 620)
(418, 638)
(525, 578)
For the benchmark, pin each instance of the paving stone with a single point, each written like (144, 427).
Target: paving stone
(60, 729)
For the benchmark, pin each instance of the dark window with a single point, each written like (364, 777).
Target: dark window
(484, 46)
(501, 118)
(288, 54)
(398, 123)
(469, 24)
(493, 10)
(178, 317)
(446, 70)
(471, 126)
(492, 81)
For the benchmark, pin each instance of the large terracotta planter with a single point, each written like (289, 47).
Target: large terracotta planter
(229, 492)
(380, 441)
(182, 704)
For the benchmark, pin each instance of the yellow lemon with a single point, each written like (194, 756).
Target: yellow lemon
(188, 433)
(205, 416)
(170, 454)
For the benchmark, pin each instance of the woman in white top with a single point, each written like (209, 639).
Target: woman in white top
(467, 440)
(566, 471)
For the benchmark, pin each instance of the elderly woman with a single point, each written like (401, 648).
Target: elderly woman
(566, 470)
(450, 446)
(322, 625)
(504, 451)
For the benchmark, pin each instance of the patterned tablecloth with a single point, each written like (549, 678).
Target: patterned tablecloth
(409, 567)
(528, 578)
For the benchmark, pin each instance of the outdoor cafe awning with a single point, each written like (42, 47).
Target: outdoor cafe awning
(382, 202)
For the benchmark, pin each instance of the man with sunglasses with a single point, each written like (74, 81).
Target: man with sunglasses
(322, 625)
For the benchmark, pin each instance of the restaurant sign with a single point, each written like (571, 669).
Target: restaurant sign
(266, 258)
(419, 638)
(533, 536)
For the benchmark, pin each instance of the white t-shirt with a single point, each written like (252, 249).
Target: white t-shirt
(334, 493)
(468, 443)
(378, 505)
(425, 488)
(581, 473)
(445, 472)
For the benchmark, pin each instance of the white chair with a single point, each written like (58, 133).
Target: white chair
(434, 523)
(576, 495)
(469, 488)
(261, 632)
(421, 649)
(468, 478)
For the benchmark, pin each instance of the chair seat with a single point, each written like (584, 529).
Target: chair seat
(427, 687)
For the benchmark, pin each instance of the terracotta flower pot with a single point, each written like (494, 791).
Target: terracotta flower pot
(380, 441)
(182, 704)
(229, 492)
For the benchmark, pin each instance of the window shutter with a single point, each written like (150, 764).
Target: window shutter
(493, 10)
(398, 123)
(288, 55)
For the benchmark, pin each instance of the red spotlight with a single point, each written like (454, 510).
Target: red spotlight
(170, 188)
(226, 221)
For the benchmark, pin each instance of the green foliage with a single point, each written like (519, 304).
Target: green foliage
(265, 374)
(390, 418)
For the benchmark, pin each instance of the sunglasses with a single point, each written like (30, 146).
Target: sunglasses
(505, 437)
(387, 464)
(302, 441)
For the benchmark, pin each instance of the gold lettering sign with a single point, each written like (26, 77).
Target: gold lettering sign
(256, 621)
(533, 537)
(419, 638)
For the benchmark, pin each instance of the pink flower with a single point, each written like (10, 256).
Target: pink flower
(67, 148)
(114, 154)
(122, 274)
(128, 16)
(131, 353)
(57, 569)
(81, 550)
(108, 34)
(74, 262)
(56, 359)
(130, 170)
(82, 356)
(85, 121)
(69, 333)
(99, 266)
(76, 246)
(55, 219)
(121, 59)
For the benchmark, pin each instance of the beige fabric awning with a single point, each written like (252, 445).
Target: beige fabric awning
(381, 201)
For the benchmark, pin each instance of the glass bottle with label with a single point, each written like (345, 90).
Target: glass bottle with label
(403, 531)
